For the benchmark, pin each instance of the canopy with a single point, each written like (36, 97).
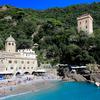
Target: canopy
(5, 72)
(41, 71)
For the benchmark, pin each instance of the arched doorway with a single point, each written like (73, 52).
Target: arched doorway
(26, 73)
(33, 73)
(18, 73)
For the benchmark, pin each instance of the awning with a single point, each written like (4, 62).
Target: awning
(6, 72)
(78, 67)
(41, 71)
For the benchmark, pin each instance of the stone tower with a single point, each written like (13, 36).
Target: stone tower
(85, 23)
(10, 45)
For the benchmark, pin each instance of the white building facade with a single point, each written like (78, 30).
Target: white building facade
(14, 62)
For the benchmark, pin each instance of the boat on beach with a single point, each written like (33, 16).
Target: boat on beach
(97, 84)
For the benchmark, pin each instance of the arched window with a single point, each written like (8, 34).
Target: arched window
(12, 43)
(10, 61)
(11, 68)
(1, 61)
(15, 61)
(22, 62)
(9, 43)
(28, 62)
(19, 67)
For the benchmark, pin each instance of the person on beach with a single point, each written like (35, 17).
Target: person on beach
(11, 88)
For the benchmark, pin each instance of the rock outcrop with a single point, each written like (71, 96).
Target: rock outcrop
(74, 77)
(95, 77)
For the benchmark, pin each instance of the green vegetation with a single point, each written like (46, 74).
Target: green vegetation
(55, 30)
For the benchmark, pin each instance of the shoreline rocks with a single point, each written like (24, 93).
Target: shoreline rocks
(74, 77)
(94, 78)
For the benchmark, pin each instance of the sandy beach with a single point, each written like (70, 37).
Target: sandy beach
(33, 86)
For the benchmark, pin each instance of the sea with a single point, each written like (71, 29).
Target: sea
(63, 91)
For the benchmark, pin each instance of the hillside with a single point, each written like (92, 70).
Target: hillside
(55, 32)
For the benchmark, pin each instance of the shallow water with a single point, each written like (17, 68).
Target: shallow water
(64, 91)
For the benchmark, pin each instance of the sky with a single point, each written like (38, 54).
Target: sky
(43, 4)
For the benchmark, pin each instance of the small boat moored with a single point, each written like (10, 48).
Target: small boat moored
(97, 84)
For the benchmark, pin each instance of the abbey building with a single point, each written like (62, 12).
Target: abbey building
(22, 61)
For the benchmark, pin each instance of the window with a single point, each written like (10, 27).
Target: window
(19, 67)
(15, 61)
(80, 23)
(12, 43)
(86, 21)
(10, 61)
(27, 67)
(31, 67)
(23, 67)
(11, 68)
(9, 43)
(86, 27)
(28, 62)
(33, 62)
(22, 62)
(1, 61)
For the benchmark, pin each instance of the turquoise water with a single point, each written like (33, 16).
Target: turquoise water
(64, 91)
